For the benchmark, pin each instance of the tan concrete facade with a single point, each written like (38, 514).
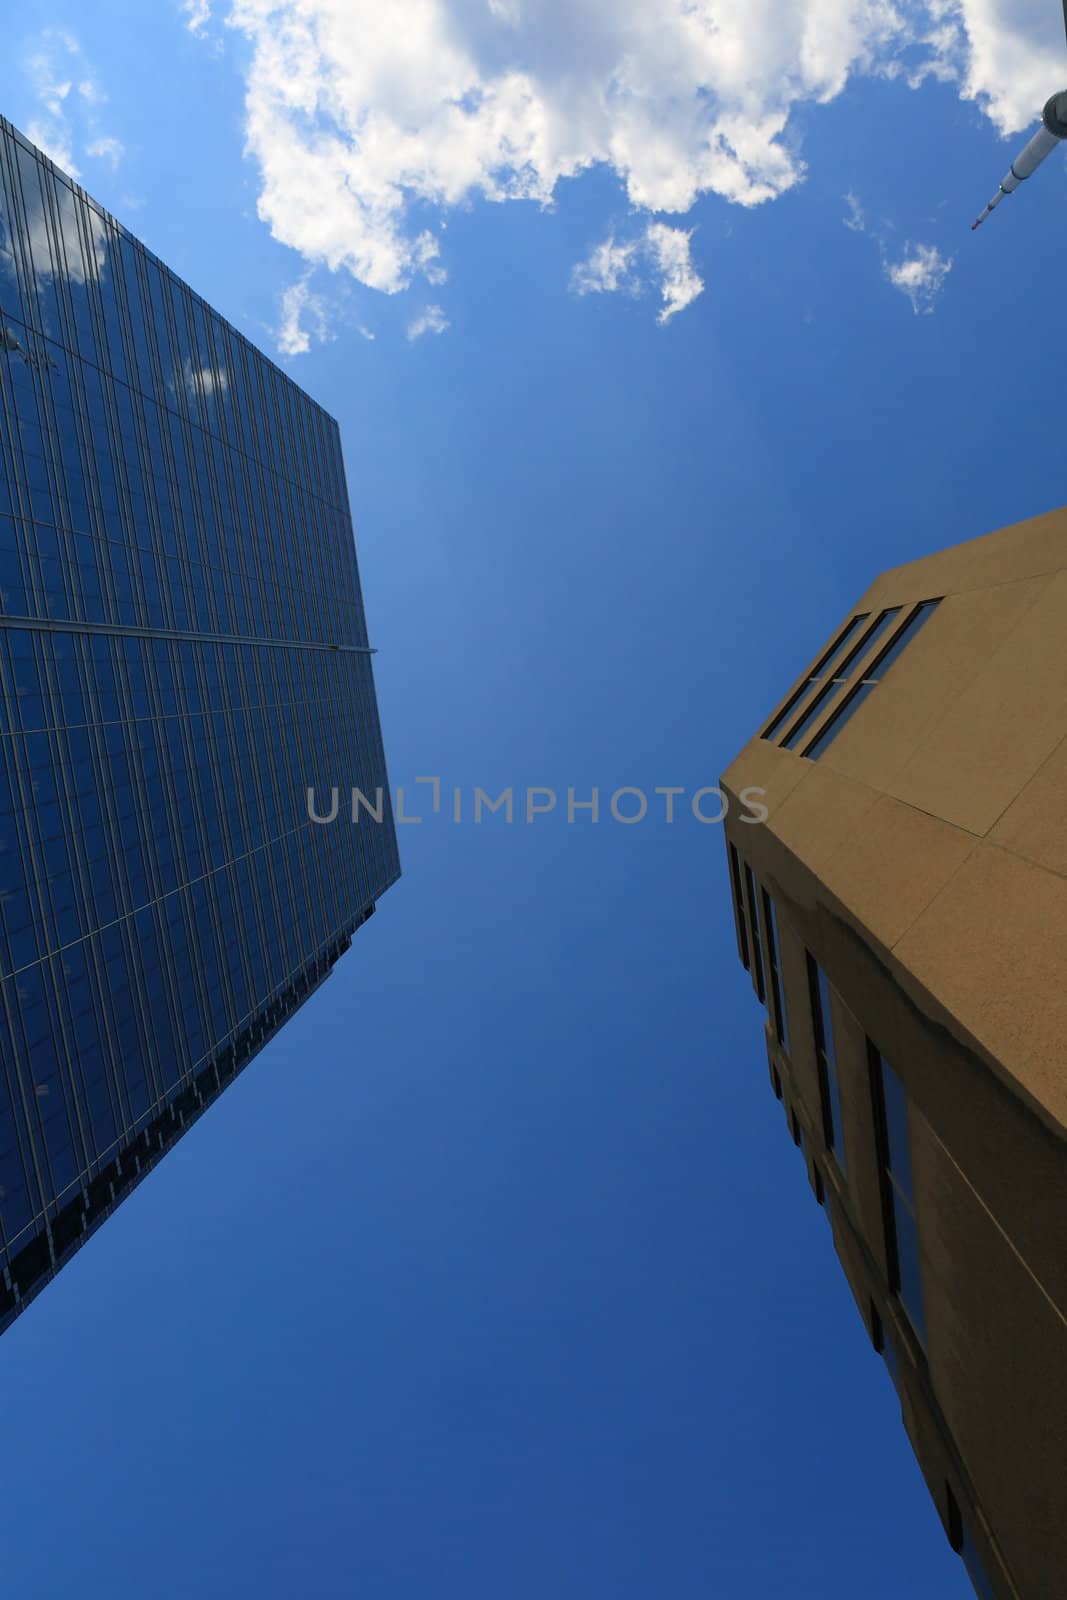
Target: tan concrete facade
(919, 859)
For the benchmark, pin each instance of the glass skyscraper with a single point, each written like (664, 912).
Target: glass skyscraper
(183, 654)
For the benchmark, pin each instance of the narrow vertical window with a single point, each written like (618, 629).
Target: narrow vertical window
(840, 676)
(774, 963)
(739, 904)
(822, 1017)
(898, 1193)
(871, 678)
(757, 944)
(820, 670)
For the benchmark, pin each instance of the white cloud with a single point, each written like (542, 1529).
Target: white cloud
(430, 320)
(679, 283)
(661, 251)
(921, 275)
(920, 272)
(425, 256)
(358, 120)
(68, 95)
(52, 84)
(198, 14)
(53, 137)
(106, 149)
(610, 267)
(89, 89)
(355, 120)
(1008, 55)
(45, 67)
(856, 220)
(304, 317)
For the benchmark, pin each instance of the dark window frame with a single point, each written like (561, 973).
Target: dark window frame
(826, 1058)
(890, 1191)
(841, 639)
(780, 1015)
(838, 683)
(759, 975)
(739, 904)
(843, 713)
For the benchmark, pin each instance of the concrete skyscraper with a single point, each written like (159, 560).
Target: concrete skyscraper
(903, 915)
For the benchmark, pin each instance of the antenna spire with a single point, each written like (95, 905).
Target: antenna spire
(1045, 140)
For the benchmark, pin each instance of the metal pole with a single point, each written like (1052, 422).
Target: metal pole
(1045, 140)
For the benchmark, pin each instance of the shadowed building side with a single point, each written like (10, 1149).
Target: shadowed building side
(903, 916)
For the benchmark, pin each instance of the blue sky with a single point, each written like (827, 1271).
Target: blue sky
(498, 1274)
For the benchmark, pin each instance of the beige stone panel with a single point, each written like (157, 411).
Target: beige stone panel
(942, 662)
(889, 867)
(1035, 825)
(985, 746)
(992, 949)
(818, 814)
(760, 767)
(996, 1349)
(1028, 549)
(763, 765)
